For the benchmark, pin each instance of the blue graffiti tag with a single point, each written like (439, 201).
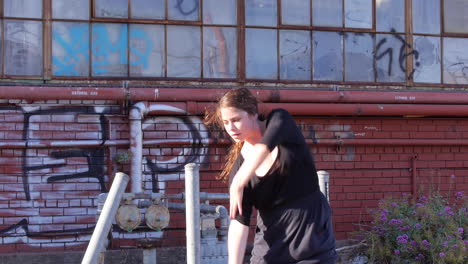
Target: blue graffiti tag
(106, 51)
(103, 47)
(143, 56)
(76, 50)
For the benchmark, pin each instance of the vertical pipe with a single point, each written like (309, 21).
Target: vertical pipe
(136, 146)
(414, 174)
(192, 212)
(105, 219)
(324, 179)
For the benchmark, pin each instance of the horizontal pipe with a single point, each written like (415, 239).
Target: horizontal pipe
(223, 142)
(370, 109)
(284, 95)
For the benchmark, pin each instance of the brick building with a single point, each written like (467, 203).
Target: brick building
(377, 86)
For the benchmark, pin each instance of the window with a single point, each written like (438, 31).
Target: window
(303, 41)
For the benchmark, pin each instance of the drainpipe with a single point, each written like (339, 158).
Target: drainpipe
(104, 223)
(137, 113)
(136, 146)
(414, 174)
(192, 212)
(324, 183)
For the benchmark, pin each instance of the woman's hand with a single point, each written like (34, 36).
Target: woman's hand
(236, 192)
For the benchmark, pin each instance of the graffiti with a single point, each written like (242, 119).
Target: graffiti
(76, 50)
(109, 49)
(169, 167)
(456, 73)
(53, 176)
(381, 52)
(104, 49)
(94, 157)
(179, 6)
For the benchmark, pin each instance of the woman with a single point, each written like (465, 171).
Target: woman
(270, 168)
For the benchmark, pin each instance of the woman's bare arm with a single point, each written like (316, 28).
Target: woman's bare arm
(237, 241)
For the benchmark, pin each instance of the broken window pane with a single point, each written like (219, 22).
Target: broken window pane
(22, 8)
(219, 52)
(390, 15)
(148, 9)
(359, 49)
(183, 60)
(327, 13)
(456, 16)
(23, 47)
(295, 12)
(455, 60)
(426, 59)
(260, 53)
(390, 56)
(261, 13)
(109, 49)
(426, 16)
(358, 13)
(70, 49)
(328, 55)
(184, 10)
(220, 12)
(295, 56)
(111, 8)
(70, 9)
(147, 58)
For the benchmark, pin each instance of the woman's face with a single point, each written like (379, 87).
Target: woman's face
(239, 124)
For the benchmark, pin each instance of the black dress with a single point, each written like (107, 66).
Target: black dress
(293, 216)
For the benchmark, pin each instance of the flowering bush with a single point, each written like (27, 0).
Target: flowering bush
(428, 230)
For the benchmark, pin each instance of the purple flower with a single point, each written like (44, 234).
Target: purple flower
(417, 226)
(397, 252)
(414, 243)
(426, 243)
(460, 230)
(442, 254)
(419, 205)
(405, 228)
(420, 257)
(393, 204)
(440, 214)
(395, 222)
(448, 210)
(423, 199)
(459, 195)
(403, 239)
(404, 194)
(445, 243)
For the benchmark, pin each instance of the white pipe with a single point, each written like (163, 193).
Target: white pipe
(106, 217)
(136, 115)
(324, 183)
(192, 212)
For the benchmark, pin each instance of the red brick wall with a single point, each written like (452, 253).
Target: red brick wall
(48, 193)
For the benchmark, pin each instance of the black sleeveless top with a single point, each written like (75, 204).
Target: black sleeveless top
(294, 218)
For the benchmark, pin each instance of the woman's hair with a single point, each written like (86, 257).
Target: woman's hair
(240, 98)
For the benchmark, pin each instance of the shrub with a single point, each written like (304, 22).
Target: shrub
(431, 229)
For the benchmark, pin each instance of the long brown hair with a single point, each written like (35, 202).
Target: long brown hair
(240, 98)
